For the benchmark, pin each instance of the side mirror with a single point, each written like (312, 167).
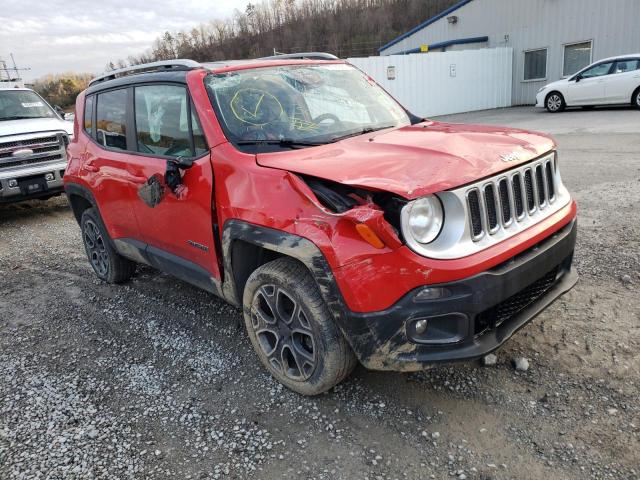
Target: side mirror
(578, 78)
(172, 176)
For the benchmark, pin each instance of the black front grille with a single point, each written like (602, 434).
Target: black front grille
(504, 200)
(552, 190)
(506, 309)
(490, 203)
(528, 186)
(474, 210)
(517, 195)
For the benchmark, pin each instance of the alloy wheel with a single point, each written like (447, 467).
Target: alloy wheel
(554, 102)
(283, 332)
(94, 242)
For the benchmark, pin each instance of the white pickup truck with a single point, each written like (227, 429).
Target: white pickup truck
(33, 142)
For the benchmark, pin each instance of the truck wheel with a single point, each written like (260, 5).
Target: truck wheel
(106, 262)
(292, 330)
(554, 102)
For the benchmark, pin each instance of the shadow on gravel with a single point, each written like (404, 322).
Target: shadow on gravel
(33, 209)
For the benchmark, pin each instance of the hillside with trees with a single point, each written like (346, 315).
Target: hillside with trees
(343, 27)
(62, 89)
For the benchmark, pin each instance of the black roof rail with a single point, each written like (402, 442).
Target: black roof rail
(162, 66)
(301, 56)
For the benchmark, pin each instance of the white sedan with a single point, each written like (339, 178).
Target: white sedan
(612, 81)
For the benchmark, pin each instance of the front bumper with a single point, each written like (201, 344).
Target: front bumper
(37, 173)
(540, 99)
(474, 316)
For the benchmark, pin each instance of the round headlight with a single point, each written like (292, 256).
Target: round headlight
(425, 219)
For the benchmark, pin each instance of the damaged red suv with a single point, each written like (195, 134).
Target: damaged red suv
(347, 229)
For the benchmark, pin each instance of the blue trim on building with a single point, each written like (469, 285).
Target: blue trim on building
(425, 24)
(448, 43)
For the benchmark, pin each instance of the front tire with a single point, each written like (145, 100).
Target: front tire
(292, 330)
(107, 264)
(554, 102)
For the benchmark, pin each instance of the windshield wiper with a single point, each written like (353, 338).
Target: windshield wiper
(360, 132)
(284, 142)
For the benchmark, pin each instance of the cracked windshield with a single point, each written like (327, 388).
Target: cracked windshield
(301, 104)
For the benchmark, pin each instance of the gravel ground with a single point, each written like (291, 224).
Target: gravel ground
(156, 379)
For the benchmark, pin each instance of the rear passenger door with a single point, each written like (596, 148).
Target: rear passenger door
(177, 225)
(622, 82)
(107, 166)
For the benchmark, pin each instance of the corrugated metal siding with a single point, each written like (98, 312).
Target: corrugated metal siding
(531, 24)
(424, 84)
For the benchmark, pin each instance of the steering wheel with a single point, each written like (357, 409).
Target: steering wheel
(327, 116)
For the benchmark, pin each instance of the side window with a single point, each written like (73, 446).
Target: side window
(111, 115)
(198, 137)
(597, 71)
(162, 121)
(88, 115)
(624, 66)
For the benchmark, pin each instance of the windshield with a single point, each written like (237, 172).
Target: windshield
(19, 104)
(300, 104)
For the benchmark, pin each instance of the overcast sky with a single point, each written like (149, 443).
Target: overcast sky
(54, 36)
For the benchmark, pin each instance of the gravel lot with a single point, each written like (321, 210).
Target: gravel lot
(156, 379)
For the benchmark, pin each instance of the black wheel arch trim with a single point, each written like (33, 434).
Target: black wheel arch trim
(284, 244)
(74, 189)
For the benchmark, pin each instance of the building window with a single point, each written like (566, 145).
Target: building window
(576, 57)
(535, 64)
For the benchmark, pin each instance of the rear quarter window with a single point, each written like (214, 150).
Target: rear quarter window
(87, 116)
(111, 117)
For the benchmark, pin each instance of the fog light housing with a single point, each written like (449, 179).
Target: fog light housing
(49, 177)
(421, 326)
(430, 293)
(13, 183)
(438, 329)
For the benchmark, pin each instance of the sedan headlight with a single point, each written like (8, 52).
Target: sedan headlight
(423, 218)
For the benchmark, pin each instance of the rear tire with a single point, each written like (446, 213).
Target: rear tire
(636, 98)
(108, 264)
(292, 330)
(554, 102)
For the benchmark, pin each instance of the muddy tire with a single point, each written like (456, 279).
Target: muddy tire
(108, 264)
(292, 330)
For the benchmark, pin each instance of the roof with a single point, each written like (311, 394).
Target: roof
(15, 88)
(184, 65)
(425, 24)
(448, 43)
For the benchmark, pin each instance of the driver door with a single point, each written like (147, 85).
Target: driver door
(177, 225)
(589, 86)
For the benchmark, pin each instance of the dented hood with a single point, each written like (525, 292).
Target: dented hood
(415, 160)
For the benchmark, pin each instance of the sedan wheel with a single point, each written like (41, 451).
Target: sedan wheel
(555, 102)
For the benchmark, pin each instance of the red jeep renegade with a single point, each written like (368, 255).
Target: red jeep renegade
(348, 229)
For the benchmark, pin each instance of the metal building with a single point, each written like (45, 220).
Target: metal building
(551, 39)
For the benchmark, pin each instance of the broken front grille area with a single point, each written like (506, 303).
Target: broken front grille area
(503, 311)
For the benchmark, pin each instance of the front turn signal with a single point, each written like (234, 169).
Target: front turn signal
(369, 235)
